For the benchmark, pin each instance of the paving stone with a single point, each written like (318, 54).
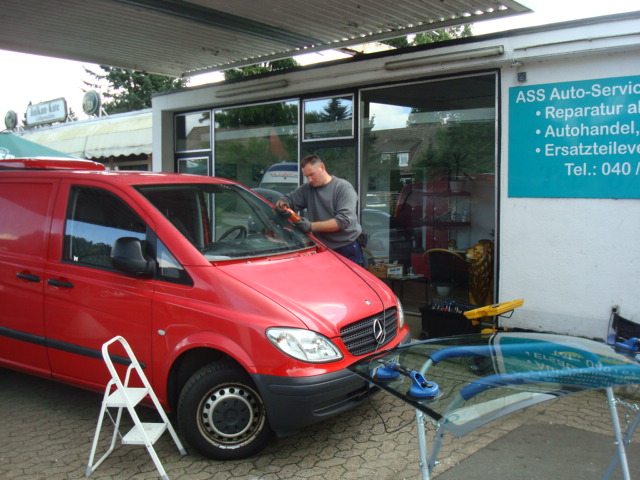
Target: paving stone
(47, 430)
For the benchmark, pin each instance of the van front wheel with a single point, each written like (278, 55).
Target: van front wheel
(221, 413)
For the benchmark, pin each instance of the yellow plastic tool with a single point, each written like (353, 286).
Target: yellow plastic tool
(495, 309)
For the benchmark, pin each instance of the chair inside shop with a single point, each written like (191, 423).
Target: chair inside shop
(448, 270)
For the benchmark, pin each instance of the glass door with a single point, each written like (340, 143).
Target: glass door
(428, 172)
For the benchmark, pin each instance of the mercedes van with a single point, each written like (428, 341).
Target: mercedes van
(244, 325)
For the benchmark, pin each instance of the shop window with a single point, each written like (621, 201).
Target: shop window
(194, 165)
(340, 161)
(257, 145)
(327, 118)
(193, 131)
(429, 153)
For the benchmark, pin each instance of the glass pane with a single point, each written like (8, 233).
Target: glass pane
(328, 118)
(169, 269)
(225, 221)
(280, 177)
(96, 219)
(340, 161)
(193, 131)
(195, 166)
(484, 377)
(250, 141)
(428, 169)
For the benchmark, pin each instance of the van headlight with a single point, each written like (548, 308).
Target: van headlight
(400, 314)
(304, 345)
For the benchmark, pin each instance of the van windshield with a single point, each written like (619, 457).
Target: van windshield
(225, 221)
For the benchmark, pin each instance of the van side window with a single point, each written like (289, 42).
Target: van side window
(169, 270)
(95, 219)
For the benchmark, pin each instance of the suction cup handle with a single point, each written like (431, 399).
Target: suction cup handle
(420, 388)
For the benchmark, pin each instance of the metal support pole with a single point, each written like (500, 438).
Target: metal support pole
(422, 445)
(622, 453)
(627, 439)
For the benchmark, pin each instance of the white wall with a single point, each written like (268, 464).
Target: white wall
(571, 259)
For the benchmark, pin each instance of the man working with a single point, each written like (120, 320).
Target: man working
(332, 205)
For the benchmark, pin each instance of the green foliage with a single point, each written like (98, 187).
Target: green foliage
(130, 90)
(264, 134)
(433, 36)
(273, 114)
(335, 111)
(330, 119)
(244, 160)
(260, 68)
(458, 149)
(71, 115)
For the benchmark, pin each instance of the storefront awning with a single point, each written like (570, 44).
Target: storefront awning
(114, 136)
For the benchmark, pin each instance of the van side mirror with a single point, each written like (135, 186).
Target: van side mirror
(126, 255)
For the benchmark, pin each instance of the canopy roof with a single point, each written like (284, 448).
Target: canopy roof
(186, 37)
(121, 134)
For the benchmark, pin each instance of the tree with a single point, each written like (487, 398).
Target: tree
(433, 36)
(130, 90)
(254, 137)
(458, 150)
(260, 68)
(71, 116)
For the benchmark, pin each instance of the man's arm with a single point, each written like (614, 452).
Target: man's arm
(330, 225)
(296, 199)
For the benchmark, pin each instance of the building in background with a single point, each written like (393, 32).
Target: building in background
(121, 141)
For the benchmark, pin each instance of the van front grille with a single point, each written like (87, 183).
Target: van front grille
(371, 333)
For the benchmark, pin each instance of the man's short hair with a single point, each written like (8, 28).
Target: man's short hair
(310, 160)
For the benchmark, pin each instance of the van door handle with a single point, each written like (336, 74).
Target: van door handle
(59, 283)
(28, 277)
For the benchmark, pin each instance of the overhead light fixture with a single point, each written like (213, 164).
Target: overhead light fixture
(254, 87)
(445, 58)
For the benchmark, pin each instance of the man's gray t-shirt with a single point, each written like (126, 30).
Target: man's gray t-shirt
(337, 199)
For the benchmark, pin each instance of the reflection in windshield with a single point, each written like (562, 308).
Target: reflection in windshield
(225, 221)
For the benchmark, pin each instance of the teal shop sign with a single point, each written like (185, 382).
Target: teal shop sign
(575, 139)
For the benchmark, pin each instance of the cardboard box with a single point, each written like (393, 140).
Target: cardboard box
(394, 270)
(383, 270)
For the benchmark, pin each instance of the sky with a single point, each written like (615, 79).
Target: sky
(30, 78)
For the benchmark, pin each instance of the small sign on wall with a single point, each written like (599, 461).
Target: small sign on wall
(575, 139)
(47, 112)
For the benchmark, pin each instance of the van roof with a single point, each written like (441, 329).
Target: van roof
(35, 167)
(284, 166)
(49, 163)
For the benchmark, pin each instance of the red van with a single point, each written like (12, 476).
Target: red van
(244, 325)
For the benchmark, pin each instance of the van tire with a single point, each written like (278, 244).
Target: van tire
(225, 393)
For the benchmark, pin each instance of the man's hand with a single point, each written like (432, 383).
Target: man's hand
(283, 208)
(304, 225)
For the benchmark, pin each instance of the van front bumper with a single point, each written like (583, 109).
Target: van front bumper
(295, 402)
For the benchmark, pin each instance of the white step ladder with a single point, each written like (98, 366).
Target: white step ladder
(128, 397)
